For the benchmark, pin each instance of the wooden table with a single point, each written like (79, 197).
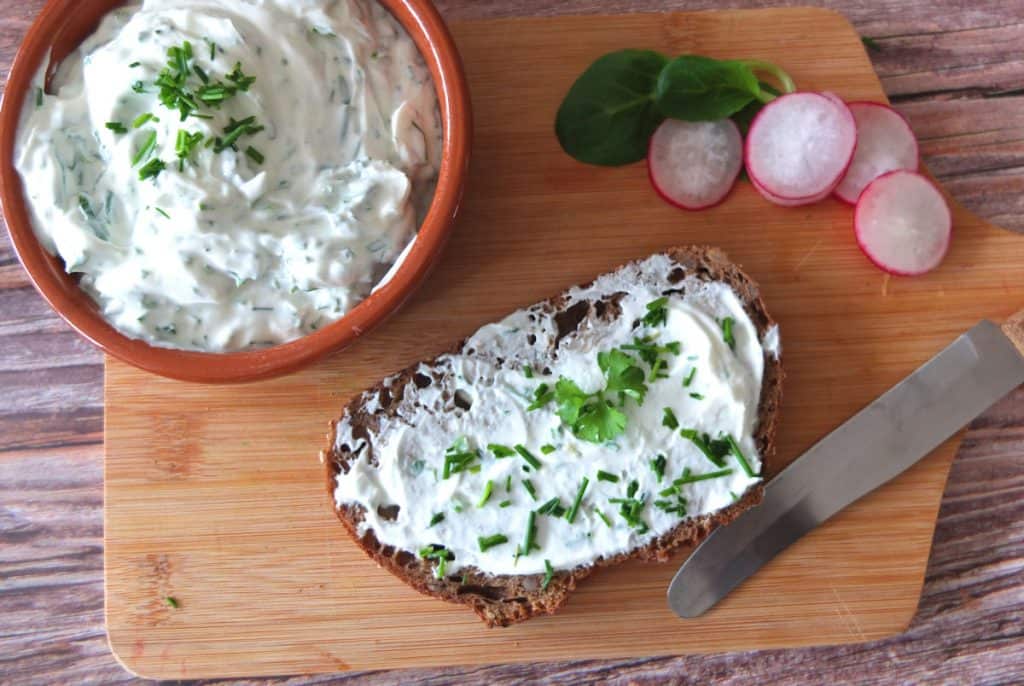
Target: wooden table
(953, 67)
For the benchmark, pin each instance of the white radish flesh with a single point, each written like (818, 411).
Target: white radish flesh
(694, 165)
(885, 143)
(799, 146)
(903, 223)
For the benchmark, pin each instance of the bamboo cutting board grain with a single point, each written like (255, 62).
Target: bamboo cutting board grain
(214, 495)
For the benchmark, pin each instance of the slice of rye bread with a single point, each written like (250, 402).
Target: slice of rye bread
(501, 600)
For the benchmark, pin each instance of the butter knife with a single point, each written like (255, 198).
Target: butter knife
(880, 442)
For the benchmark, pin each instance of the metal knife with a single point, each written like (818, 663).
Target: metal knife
(880, 442)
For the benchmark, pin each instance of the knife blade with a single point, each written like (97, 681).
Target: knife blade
(880, 442)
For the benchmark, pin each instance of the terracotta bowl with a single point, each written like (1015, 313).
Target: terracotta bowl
(61, 27)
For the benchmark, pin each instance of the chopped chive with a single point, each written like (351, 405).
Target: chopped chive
(501, 451)
(151, 169)
(549, 574)
(213, 50)
(442, 567)
(134, 64)
(254, 155)
(117, 127)
(488, 488)
(571, 517)
(528, 371)
(162, 213)
(530, 489)
(689, 378)
(740, 456)
(658, 465)
(604, 518)
(669, 419)
(696, 396)
(528, 456)
(531, 534)
(172, 602)
(552, 508)
(657, 312)
(146, 150)
(547, 449)
(488, 542)
(508, 484)
(436, 519)
(143, 119)
(689, 478)
(200, 73)
(715, 450)
(39, 97)
(504, 503)
(139, 87)
(605, 476)
(727, 336)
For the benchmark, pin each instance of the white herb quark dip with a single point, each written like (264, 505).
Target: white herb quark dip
(709, 382)
(243, 241)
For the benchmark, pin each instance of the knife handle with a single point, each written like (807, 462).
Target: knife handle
(1014, 330)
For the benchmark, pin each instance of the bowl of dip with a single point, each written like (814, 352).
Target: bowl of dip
(228, 190)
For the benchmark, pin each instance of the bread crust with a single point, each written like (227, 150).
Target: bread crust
(502, 600)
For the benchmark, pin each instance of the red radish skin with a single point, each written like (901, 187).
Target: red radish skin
(903, 223)
(885, 143)
(800, 146)
(694, 165)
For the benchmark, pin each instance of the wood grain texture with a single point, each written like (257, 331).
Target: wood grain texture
(970, 625)
(204, 484)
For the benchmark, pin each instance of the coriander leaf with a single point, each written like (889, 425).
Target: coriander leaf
(609, 114)
(623, 375)
(695, 88)
(600, 422)
(570, 399)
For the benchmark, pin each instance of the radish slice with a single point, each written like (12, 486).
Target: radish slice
(788, 202)
(903, 223)
(799, 146)
(694, 165)
(885, 143)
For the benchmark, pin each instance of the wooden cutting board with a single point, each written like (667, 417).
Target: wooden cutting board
(215, 496)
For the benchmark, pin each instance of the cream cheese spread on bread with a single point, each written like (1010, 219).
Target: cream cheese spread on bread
(548, 444)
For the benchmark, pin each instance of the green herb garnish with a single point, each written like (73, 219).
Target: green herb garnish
(504, 503)
(696, 396)
(39, 97)
(631, 508)
(143, 119)
(488, 542)
(185, 144)
(542, 395)
(669, 419)
(501, 451)
(658, 465)
(604, 518)
(172, 602)
(436, 519)
(740, 457)
(547, 449)
(488, 488)
(549, 574)
(531, 534)
(459, 458)
(528, 371)
(148, 146)
(714, 450)
(689, 378)
(439, 554)
(657, 313)
(727, 336)
(117, 127)
(571, 516)
(690, 478)
(605, 476)
(552, 508)
(528, 456)
(151, 169)
(160, 211)
(528, 485)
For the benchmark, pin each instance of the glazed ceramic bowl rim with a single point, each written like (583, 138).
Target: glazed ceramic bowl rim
(427, 28)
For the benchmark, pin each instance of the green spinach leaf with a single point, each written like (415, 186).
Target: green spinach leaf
(609, 114)
(695, 88)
